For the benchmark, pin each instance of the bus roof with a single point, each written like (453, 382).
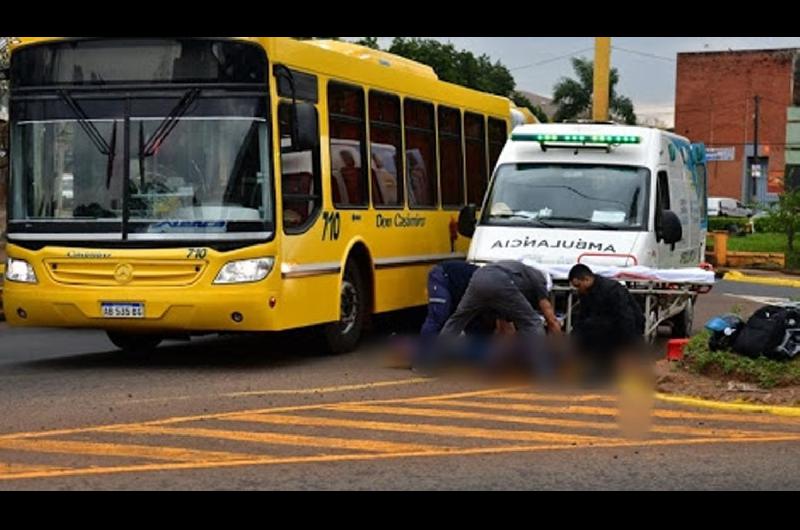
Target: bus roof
(347, 61)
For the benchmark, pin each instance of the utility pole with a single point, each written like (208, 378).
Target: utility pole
(602, 61)
(755, 168)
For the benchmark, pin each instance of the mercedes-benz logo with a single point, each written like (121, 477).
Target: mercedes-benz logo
(123, 273)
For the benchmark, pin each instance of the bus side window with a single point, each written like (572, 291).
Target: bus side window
(451, 157)
(348, 146)
(497, 140)
(423, 191)
(300, 178)
(475, 142)
(386, 148)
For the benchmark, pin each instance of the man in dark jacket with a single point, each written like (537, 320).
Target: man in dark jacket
(510, 289)
(610, 319)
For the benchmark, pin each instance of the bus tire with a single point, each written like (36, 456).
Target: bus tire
(682, 323)
(134, 343)
(343, 336)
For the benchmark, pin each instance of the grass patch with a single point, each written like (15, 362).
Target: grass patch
(758, 242)
(764, 372)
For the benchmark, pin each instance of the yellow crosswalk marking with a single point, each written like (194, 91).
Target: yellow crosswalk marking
(261, 460)
(12, 468)
(420, 428)
(283, 439)
(548, 421)
(537, 396)
(149, 452)
(609, 411)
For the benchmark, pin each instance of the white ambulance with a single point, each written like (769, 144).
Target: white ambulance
(609, 196)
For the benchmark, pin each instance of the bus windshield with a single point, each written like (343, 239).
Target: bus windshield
(209, 168)
(569, 195)
(155, 162)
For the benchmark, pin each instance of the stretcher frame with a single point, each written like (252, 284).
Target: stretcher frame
(662, 300)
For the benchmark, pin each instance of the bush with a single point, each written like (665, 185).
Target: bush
(767, 224)
(731, 224)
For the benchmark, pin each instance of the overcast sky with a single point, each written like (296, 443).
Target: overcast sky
(537, 63)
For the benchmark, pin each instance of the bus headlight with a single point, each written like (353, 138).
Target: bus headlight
(244, 271)
(19, 270)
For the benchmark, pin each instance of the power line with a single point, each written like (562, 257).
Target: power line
(644, 54)
(552, 59)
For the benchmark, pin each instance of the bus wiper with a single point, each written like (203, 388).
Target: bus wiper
(168, 124)
(584, 221)
(111, 154)
(164, 128)
(94, 135)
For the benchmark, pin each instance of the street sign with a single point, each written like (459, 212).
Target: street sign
(720, 154)
(755, 170)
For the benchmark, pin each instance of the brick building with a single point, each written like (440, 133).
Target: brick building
(715, 102)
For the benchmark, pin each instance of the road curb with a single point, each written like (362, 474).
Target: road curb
(736, 276)
(730, 406)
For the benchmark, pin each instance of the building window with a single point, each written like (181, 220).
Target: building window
(420, 154)
(451, 157)
(386, 146)
(348, 143)
(796, 84)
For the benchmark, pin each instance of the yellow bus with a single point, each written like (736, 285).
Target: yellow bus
(169, 187)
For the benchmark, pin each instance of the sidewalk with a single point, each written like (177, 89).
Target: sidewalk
(762, 277)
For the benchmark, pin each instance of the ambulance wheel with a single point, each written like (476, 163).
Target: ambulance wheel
(683, 321)
(134, 343)
(343, 336)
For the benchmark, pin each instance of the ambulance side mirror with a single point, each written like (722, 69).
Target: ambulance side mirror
(466, 220)
(669, 230)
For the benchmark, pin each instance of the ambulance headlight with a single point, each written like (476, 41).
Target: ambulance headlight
(19, 270)
(245, 271)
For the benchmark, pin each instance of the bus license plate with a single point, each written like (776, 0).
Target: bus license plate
(127, 310)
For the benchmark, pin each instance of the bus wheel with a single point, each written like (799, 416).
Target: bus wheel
(682, 322)
(134, 343)
(343, 336)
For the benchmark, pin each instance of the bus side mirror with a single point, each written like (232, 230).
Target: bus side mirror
(669, 229)
(4, 74)
(307, 129)
(466, 220)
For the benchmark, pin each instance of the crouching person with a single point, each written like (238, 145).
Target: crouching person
(447, 282)
(510, 290)
(609, 324)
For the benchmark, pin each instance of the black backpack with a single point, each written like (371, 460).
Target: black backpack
(769, 332)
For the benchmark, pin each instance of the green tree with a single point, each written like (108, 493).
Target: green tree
(574, 96)
(369, 42)
(521, 101)
(785, 217)
(4, 56)
(458, 67)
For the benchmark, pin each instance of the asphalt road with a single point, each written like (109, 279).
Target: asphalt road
(268, 412)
